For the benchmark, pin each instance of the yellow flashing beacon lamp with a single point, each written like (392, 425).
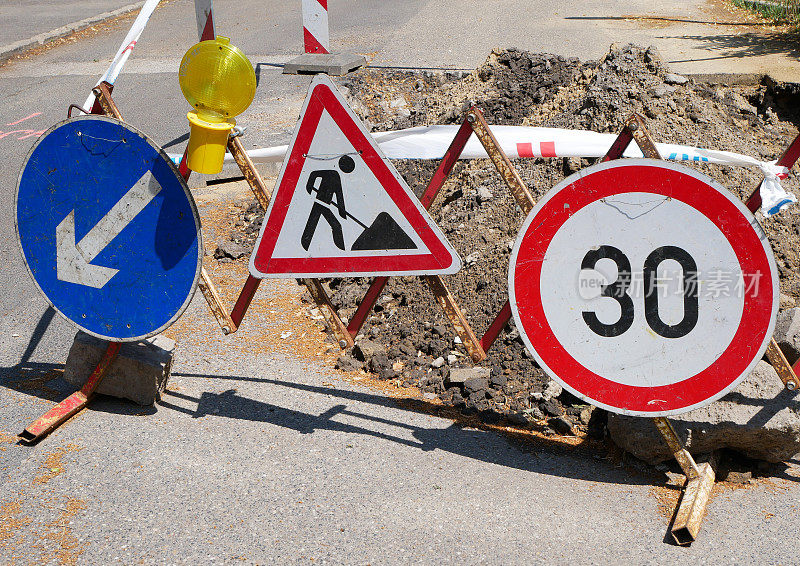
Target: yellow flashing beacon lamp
(218, 80)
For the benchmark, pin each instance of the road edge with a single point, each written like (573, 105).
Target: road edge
(12, 49)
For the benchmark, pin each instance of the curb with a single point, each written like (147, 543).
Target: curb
(742, 79)
(8, 51)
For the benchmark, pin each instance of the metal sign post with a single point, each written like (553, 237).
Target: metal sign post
(679, 336)
(696, 492)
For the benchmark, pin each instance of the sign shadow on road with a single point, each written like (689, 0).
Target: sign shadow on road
(456, 439)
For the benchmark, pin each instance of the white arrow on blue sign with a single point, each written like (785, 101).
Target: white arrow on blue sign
(108, 228)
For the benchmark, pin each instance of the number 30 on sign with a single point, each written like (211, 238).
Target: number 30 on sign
(643, 287)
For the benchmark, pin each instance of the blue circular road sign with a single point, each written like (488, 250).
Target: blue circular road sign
(108, 228)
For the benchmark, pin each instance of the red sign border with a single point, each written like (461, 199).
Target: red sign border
(704, 195)
(441, 259)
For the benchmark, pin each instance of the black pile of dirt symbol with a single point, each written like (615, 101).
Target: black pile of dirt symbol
(383, 234)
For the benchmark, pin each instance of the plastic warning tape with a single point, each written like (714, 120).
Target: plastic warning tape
(126, 47)
(431, 142)
(204, 12)
(315, 26)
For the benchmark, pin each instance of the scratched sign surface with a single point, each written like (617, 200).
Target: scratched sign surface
(644, 287)
(108, 228)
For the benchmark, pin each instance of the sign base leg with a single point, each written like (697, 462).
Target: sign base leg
(692, 506)
(782, 366)
(327, 309)
(211, 296)
(53, 418)
(699, 483)
(456, 317)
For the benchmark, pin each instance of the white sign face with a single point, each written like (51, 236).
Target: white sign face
(340, 207)
(339, 204)
(643, 287)
(713, 313)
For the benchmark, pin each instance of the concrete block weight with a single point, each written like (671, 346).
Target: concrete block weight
(335, 64)
(139, 373)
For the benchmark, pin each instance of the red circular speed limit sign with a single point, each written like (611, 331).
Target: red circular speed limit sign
(643, 287)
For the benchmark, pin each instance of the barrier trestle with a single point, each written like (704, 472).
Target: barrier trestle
(700, 477)
(473, 122)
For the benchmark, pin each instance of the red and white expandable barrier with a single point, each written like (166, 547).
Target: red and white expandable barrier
(315, 26)
(318, 57)
(125, 48)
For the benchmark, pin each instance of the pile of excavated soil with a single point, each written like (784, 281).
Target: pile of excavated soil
(407, 337)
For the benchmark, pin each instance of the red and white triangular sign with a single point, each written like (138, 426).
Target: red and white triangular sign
(341, 208)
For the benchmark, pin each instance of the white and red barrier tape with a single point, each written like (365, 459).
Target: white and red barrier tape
(431, 142)
(315, 26)
(204, 12)
(126, 47)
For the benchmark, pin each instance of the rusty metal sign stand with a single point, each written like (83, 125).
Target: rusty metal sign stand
(476, 348)
(314, 286)
(41, 427)
(786, 372)
(699, 478)
(103, 97)
(443, 296)
(473, 122)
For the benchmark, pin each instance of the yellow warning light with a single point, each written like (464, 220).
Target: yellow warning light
(218, 80)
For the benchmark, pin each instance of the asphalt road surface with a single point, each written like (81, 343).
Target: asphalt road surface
(261, 454)
(23, 20)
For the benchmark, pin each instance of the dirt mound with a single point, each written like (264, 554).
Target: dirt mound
(409, 338)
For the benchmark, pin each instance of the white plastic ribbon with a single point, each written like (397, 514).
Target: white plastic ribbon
(431, 142)
(774, 198)
(125, 48)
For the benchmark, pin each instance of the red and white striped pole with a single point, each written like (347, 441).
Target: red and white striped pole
(318, 57)
(315, 26)
(204, 12)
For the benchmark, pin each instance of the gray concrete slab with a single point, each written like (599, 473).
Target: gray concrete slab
(335, 64)
(139, 373)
